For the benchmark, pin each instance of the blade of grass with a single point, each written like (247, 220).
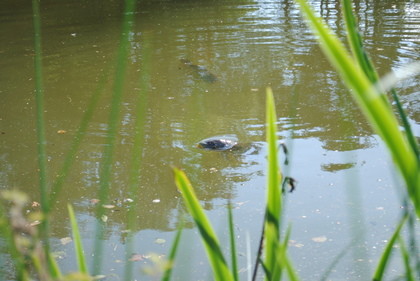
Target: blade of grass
(274, 197)
(217, 261)
(78, 247)
(171, 261)
(136, 160)
(356, 43)
(106, 165)
(366, 64)
(40, 129)
(232, 244)
(55, 269)
(39, 97)
(369, 99)
(406, 258)
(380, 270)
(81, 131)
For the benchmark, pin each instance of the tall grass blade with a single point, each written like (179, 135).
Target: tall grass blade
(380, 270)
(136, 160)
(334, 262)
(77, 140)
(78, 247)
(217, 261)
(233, 253)
(54, 268)
(366, 64)
(274, 196)
(406, 259)
(106, 165)
(40, 129)
(171, 261)
(39, 97)
(370, 100)
(258, 259)
(356, 43)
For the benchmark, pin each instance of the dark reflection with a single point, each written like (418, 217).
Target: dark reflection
(335, 167)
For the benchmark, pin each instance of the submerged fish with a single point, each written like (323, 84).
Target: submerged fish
(200, 71)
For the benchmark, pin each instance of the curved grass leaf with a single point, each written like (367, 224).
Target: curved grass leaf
(371, 102)
(234, 264)
(366, 64)
(114, 115)
(78, 247)
(168, 270)
(380, 270)
(406, 258)
(274, 196)
(217, 261)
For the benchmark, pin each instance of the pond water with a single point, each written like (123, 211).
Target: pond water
(347, 190)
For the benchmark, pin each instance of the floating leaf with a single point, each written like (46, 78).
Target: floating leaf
(108, 206)
(160, 241)
(65, 240)
(137, 257)
(320, 239)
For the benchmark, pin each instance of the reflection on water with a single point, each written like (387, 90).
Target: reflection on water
(247, 46)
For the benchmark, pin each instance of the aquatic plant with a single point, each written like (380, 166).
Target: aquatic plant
(275, 249)
(29, 248)
(360, 77)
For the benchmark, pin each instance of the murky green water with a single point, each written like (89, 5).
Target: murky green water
(345, 180)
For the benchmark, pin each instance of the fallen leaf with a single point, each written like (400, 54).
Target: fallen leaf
(65, 240)
(108, 206)
(319, 239)
(35, 204)
(136, 257)
(104, 218)
(94, 201)
(160, 241)
(293, 243)
(34, 223)
(61, 132)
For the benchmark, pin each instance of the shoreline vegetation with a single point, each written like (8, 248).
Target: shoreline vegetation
(28, 242)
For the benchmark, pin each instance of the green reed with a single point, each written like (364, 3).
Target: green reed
(114, 115)
(275, 249)
(360, 78)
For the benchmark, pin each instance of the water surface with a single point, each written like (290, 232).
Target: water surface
(347, 190)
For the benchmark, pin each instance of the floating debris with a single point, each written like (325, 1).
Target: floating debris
(108, 206)
(320, 239)
(160, 241)
(65, 240)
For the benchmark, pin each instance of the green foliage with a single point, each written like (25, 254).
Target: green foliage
(274, 197)
(78, 247)
(211, 243)
(275, 252)
(232, 244)
(114, 115)
(172, 254)
(357, 76)
(387, 252)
